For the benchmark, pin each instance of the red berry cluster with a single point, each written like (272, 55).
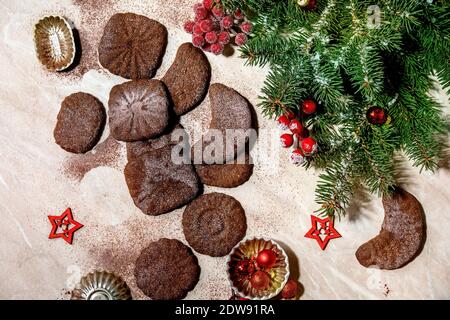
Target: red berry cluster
(299, 138)
(213, 28)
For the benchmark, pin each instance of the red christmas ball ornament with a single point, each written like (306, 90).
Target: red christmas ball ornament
(377, 116)
(290, 290)
(266, 259)
(245, 267)
(287, 140)
(296, 126)
(260, 280)
(309, 107)
(283, 122)
(241, 39)
(309, 146)
(298, 157)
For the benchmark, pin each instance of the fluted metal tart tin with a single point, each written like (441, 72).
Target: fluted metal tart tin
(279, 274)
(55, 43)
(101, 285)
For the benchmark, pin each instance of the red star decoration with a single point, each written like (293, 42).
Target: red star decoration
(66, 223)
(323, 231)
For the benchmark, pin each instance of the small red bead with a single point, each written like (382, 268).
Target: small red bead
(287, 140)
(227, 22)
(217, 48)
(309, 107)
(246, 27)
(224, 37)
(211, 37)
(189, 26)
(377, 116)
(241, 39)
(309, 146)
(296, 126)
(198, 41)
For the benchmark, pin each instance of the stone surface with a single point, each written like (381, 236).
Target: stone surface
(278, 199)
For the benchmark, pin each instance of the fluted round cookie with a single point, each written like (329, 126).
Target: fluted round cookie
(138, 110)
(225, 175)
(159, 185)
(138, 148)
(188, 78)
(80, 123)
(132, 46)
(214, 223)
(167, 270)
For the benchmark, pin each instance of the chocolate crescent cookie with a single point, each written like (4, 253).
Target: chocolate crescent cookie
(138, 148)
(402, 235)
(167, 270)
(132, 46)
(138, 110)
(158, 185)
(225, 175)
(231, 113)
(214, 223)
(188, 78)
(80, 123)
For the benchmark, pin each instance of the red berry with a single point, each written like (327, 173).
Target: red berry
(227, 22)
(246, 27)
(290, 290)
(217, 48)
(224, 37)
(309, 146)
(201, 13)
(218, 12)
(206, 25)
(198, 41)
(207, 47)
(238, 14)
(266, 259)
(287, 140)
(198, 6)
(283, 122)
(241, 39)
(208, 3)
(296, 126)
(260, 280)
(211, 37)
(297, 157)
(309, 107)
(197, 30)
(189, 26)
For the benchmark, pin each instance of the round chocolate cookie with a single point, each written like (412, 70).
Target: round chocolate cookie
(80, 123)
(159, 185)
(167, 270)
(132, 46)
(138, 110)
(214, 223)
(188, 78)
(225, 175)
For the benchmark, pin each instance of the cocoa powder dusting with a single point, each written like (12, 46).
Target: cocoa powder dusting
(107, 153)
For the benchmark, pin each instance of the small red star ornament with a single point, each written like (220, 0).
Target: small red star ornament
(66, 223)
(322, 231)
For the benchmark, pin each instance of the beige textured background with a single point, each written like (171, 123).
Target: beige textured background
(36, 180)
